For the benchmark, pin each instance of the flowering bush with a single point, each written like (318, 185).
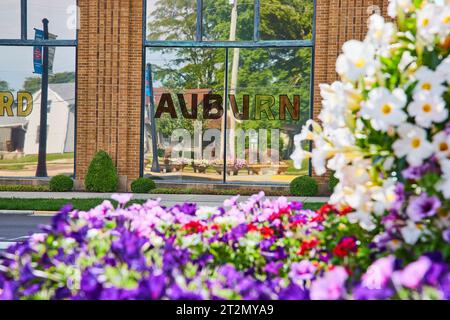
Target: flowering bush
(386, 132)
(258, 249)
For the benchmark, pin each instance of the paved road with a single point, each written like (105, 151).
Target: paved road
(17, 227)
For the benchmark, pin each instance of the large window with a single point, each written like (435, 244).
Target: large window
(22, 44)
(228, 86)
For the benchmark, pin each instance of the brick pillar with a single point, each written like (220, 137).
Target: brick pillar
(109, 71)
(337, 22)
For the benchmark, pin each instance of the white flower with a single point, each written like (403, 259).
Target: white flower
(443, 70)
(396, 6)
(441, 143)
(380, 33)
(385, 109)
(406, 61)
(411, 232)
(429, 81)
(384, 196)
(443, 22)
(413, 144)
(356, 61)
(427, 26)
(444, 185)
(427, 109)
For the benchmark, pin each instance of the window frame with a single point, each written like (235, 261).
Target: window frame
(227, 45)
(25, 42)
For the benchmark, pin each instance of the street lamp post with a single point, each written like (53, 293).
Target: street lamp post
(41, 170)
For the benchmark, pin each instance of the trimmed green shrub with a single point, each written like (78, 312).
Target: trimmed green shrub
(24, 188)
(304, 187)
(332, 183)
(102, 174)
(143, 185)
(61, 183)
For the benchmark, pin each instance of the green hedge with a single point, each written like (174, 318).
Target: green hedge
(24, 188)
(143, 185)
(304, 187)
(102, 174)
(61, 183)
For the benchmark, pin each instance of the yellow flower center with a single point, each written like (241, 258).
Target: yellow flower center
(443, 147)
(360, 63)
(425, 22)
(427, 108)
(386, 109)
(426, 86)
(415, 143)
(446, 20)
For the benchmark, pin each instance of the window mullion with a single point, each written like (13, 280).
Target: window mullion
(23, 19)
(257, 20)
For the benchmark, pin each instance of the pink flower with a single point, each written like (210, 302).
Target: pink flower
(414, 273)
(122, 199)
(331, 286)
(379, 273)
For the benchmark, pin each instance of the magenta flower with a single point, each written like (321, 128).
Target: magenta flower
(379, 273)
(122, 199)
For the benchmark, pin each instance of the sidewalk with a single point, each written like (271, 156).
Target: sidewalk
(166, 199)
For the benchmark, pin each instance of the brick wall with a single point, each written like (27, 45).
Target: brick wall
(109, 72)
(337, 22)
(109, 83)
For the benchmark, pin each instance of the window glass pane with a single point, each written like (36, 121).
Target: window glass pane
(225, 20)
(269, 103)
(171, 19)
(61, 15)
(10, 19)
(286, 19)
(19, 134)
(187, 93)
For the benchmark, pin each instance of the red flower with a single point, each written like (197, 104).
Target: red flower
(252, 227)
(345, 211)
(307, 245)
(346, 246)
(194, 227)
(326, 209)
(267, 232)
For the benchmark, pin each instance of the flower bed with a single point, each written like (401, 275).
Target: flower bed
(258, 249)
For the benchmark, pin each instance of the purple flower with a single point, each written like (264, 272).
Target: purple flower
(301, 271)
(273, 267)
(415, 173)
(152, 288)
(296, 206)
(363, 293)
(423, 206)
(400, 197)
(186, 208)
(293, 292)
(331, 286)
(446, 235)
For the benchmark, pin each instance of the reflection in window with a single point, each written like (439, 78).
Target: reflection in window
(225, 20)
(187, 95)
(171, 19)
(61, 15)
(10, 19)
(19, 135)
(286, 19)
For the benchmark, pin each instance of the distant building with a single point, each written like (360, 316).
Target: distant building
(12, 134)
(60, 120)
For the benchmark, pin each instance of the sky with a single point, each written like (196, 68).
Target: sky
(16, 63)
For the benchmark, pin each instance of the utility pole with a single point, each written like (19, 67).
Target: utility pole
(41, 170)
(233, 82)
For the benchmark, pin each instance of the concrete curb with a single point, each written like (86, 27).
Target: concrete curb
(28, 213)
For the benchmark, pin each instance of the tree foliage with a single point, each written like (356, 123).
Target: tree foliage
(33, 84)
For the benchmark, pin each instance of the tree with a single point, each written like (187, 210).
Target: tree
(4, 86)
(33, 84)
